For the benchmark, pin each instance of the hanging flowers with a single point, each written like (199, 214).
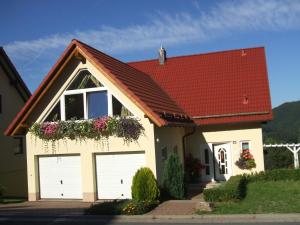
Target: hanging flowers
(246, 160)
(127, 128)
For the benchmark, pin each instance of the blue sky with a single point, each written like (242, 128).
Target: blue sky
(34, 33)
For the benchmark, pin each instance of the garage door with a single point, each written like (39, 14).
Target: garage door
(115, 173)
(60, 177)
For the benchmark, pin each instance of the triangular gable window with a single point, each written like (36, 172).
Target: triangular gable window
(54, 115)
(84, 80)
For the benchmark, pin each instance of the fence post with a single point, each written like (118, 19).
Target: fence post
(296, 159)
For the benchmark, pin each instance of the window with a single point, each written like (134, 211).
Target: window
(245, 145)
(97, 104)
(86, 98)
(18, 145)
(74, 106)
(206, 161)
(54, 114)
(119, 109)
(164, 153)
(84, 80)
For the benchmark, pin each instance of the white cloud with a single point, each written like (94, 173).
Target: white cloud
(175, 28)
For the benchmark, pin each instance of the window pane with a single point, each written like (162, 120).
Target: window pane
(206, 156)
(97, 104)
(245, 145)
(74, 106)
(84, 80)
(54, 114)
(119, 109)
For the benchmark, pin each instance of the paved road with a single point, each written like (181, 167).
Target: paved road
(90, 220)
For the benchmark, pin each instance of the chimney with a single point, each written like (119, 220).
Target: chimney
(162, 56)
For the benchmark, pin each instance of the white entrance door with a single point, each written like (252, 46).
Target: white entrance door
(115, 173)
(222, 161)
(60, 177)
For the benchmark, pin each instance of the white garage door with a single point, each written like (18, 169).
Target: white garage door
(115, 173)
(60, 177)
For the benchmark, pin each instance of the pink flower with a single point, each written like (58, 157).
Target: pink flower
(49, 129)
(100, 124)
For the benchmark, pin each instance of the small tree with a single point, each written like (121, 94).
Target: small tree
(144, 186)
(173, 177)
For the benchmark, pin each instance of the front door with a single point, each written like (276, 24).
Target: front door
(222, 161)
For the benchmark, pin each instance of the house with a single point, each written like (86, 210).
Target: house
(13, 95)
(208, 105)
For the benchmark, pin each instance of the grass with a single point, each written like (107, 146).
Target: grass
(11, 200)
(264, 197)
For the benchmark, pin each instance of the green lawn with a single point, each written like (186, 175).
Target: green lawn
(265, 197)
(11, 200)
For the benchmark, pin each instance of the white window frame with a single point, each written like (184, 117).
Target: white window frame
(84, 91)
(241, 145)
(85, 103)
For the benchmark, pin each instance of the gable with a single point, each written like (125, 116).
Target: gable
(146, 94)
(15, 80)
(84, 96)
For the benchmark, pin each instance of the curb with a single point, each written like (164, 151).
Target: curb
(240, 218)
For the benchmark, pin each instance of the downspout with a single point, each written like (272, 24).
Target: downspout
(183, 143)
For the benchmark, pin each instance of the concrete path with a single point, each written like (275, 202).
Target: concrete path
(180, 207)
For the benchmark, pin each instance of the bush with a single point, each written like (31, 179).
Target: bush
(275, 175)
(144, 186)
(126, 207)
(107, 208)
(173, 177)
(233, 189)
(139, 207)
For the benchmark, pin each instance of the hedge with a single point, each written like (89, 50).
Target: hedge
(233, 189)
(275, 175)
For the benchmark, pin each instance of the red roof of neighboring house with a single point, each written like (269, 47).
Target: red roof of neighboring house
(215, 88)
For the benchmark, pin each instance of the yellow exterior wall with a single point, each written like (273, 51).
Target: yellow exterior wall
(233, 135)
(171, 139)
(88, 148)
(12, 166)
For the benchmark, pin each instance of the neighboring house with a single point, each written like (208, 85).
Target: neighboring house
(211, 105)
(13, 95)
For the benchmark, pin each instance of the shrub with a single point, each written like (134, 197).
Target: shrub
(173, 177)
(233, 189)
(144, 186)
(107, 208)
(139, 207)
(275, 175)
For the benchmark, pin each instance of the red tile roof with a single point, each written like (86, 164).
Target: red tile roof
(140, 87)
(214, 88)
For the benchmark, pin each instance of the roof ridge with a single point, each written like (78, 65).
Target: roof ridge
(199, 54)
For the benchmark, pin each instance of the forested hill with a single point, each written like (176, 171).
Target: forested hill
(285, 126)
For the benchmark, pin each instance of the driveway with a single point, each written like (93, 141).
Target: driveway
(44, 208)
